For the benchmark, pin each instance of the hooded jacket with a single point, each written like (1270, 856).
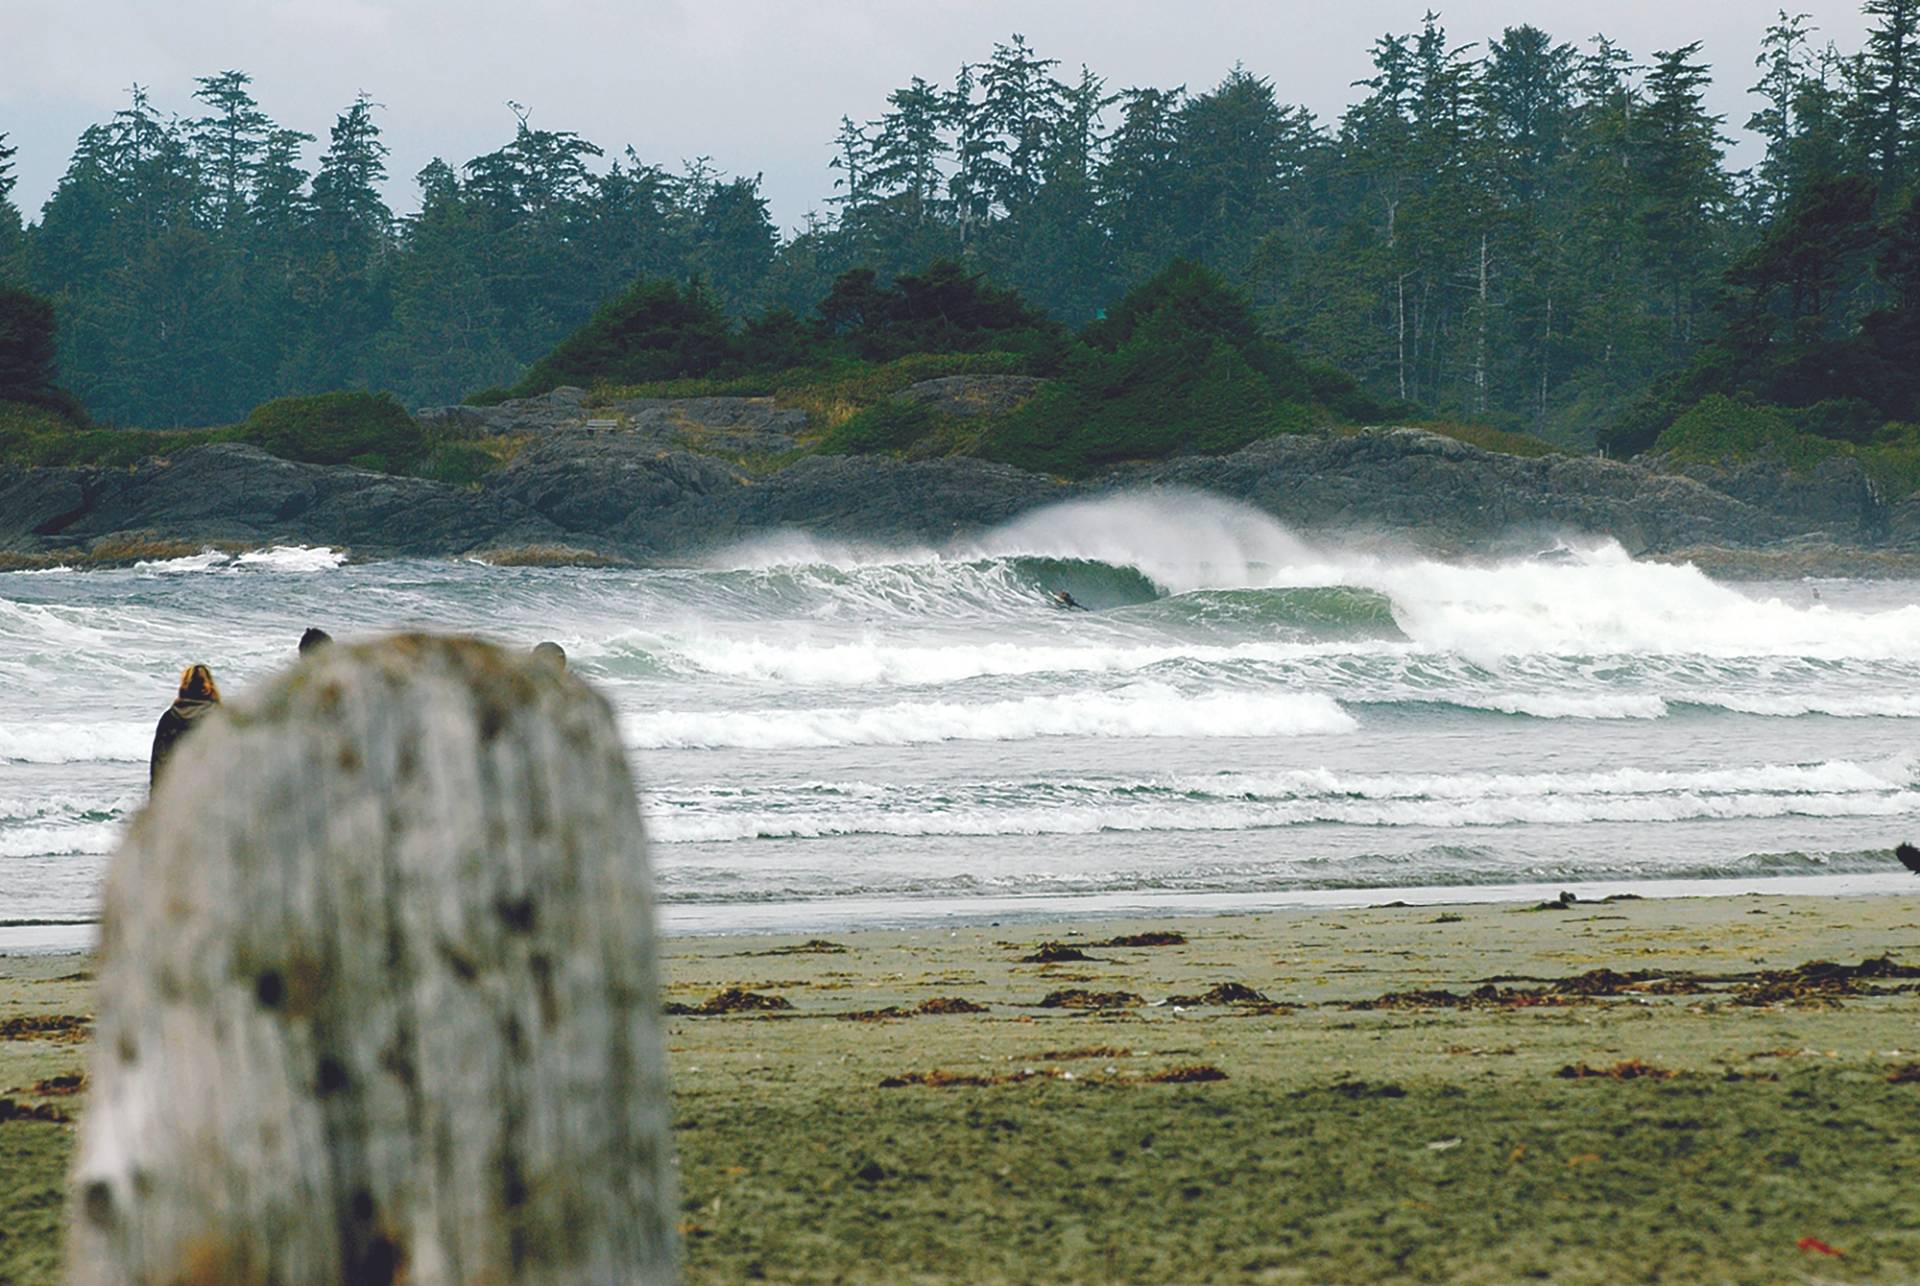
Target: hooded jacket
(180, 717)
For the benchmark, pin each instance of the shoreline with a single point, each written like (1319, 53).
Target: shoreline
(692, 922)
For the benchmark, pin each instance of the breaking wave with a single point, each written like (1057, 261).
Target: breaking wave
(1143, 710)
(279, 558)
(57, 742)
(1242, 801)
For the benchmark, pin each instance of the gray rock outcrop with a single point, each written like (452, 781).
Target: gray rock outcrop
(1454, 495)
(966, 396)
(229, 493)
(668, 479)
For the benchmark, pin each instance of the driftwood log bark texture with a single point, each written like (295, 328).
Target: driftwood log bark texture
(377, 991)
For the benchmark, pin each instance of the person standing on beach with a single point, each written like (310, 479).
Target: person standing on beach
(198, 695)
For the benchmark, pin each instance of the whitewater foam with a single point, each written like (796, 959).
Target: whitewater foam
(59, 841)
(872, 661)
(61, 742)
(1141, 710)
(671, 827)
(1232, 801)
(1569, 705)
(294, 558)
(279, 558)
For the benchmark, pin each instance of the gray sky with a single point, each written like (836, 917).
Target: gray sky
(758, 85)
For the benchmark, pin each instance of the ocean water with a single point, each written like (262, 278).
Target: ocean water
(829, 734)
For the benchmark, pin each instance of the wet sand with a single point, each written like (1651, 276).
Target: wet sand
(1412, 1093)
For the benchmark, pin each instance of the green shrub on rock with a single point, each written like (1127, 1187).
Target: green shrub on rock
(368, 430)
(1726, 431)
(892, 425)
(459, 464)
(654, 330)
(1180, 364)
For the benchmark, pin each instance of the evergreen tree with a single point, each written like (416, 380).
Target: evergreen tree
(337, 292)
(853, 157)
(1137, 186)
(27, 352)
(447, 336)
(152, 168)
(970, 186)
(13, 265)
(280, 204)
(1684, 190)
(1241, 152)
(1524, 113)
(1820, 144)
(906, 153)
(734, 242)
(228, 145)
(349, 213)
(1889, 93)
(1063, 257)
(1783, 70)
(1379, 167)
(1517, 231)
(1019, 110)
(1793, 285)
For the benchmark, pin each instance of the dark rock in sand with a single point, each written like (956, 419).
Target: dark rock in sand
(732, 1000)
(1225, 993)
(1151, 938)
(1054, 953)
(1077, 999)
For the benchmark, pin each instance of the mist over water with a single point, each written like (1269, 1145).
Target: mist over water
(828, 730)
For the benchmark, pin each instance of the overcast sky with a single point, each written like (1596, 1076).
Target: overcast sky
(758, 85)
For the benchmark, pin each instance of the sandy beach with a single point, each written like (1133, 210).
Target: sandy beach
(1451, 1093)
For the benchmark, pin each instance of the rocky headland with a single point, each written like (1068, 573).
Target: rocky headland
(651, 480)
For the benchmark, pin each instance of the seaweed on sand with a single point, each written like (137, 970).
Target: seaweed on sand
(1077, 999)
(731, 1000)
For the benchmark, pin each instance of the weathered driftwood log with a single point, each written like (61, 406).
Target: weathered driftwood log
(377, 991)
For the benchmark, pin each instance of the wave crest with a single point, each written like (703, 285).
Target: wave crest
(1141, 710)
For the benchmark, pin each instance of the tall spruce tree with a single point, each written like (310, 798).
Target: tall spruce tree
(338, 290)
(229, 143)
(13, 265)
(1684, 190)
(1783, 64)
(1019, 112)
(1889, 93)
(1138, 184)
